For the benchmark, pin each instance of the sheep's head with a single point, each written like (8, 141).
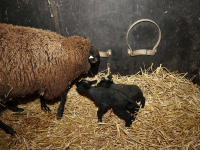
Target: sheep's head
(94, 60)
(106, 82)
(84, 85)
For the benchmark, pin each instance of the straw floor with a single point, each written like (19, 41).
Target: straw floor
(170, 119)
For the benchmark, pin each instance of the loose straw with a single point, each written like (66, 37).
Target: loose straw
(169, 120)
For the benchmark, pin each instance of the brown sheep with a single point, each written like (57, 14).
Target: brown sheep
(34, 60)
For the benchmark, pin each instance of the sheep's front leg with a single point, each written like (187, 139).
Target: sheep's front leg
(102, 110)
(43, 104)
(62, 105)
(13, 108)
(6, 128)
(124, 114)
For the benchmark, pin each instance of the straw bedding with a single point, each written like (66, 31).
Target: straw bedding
(169, 120)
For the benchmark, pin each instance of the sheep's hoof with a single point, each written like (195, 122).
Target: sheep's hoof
(9, 130)
(46, 109)
(18, 110)
(14, 108)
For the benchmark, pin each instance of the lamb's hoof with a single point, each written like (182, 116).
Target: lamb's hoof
(136, 110)
(132, 118)
(10, 130)
(46, 109)
(59, 115)
(127, 125)
(99, 120)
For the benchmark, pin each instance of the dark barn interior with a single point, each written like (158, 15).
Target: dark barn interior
(106, 22)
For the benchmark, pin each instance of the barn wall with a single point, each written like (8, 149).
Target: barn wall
(105, 23)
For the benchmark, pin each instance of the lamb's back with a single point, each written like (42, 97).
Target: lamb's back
(131, 91)
(111, 97)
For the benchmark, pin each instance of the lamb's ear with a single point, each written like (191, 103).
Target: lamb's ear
(92, 82)
(86, 84)
(109, 76)
(111, 81)
(77, 84)
(103, 79)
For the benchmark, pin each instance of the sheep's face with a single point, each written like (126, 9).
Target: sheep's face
(84, 85)
(105, 82)
(94, 60)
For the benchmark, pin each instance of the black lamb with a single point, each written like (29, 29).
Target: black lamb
(131, 91)
(108, 98)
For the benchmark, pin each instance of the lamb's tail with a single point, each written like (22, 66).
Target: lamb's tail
(140, 99)
(132, 107)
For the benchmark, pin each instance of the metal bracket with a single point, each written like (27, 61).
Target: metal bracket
(143, 51)
(105, 54)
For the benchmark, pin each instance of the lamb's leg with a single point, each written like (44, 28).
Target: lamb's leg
(133, 107)
(43, 104)
(124, 114)
(6, 128)
(12, 107)
(102, 110)
(62, 105)
(142, 103)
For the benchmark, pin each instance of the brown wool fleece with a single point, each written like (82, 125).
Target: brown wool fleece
(39, 60)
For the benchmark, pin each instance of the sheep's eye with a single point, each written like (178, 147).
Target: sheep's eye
(91, 57)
